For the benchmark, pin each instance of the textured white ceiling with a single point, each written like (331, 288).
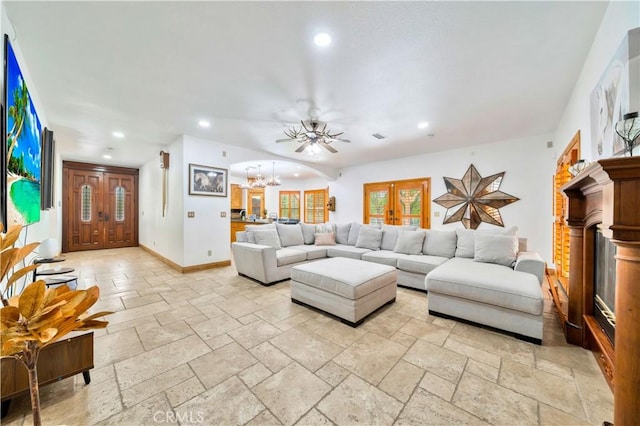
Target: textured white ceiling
(478, 72)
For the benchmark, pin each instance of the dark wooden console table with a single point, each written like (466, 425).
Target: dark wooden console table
(65, 358)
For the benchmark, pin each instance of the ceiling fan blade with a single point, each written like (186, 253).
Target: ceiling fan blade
(329, 148)
(303, 146)
(337, 139)
(284, 140)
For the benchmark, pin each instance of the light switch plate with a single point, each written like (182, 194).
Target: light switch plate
(223, 214)
(191, 214)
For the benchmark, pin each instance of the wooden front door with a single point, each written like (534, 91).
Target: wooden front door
(402, 202)
(100, 207)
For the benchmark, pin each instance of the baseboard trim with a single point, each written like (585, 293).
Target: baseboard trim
(185, 269)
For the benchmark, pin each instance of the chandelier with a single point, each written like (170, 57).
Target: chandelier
(259, 182)
(273, 180)
(247, 183)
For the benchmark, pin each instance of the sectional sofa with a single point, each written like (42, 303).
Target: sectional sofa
(486, 277)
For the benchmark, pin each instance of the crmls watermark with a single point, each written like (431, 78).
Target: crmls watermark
(186, 417)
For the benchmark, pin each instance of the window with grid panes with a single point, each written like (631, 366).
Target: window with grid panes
(290, 204)
(315, 206)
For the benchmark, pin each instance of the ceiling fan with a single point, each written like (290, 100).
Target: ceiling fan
(312, 135)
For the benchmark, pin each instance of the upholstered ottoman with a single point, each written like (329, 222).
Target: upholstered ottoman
(347, 288)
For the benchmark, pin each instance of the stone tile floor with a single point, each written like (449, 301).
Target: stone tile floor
(214, 348)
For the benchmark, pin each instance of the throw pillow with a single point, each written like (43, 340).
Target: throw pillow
(290, 235)
(390, 235)
(409, 242)
(466, 238)
(354, 231)
(267, 237)
(250, 228)
(440, 243)
(342, 233)
(496, 248)
(325, 239)
(369, 238)
(308, 232)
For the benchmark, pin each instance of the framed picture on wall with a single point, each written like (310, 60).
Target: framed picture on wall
(206, 180)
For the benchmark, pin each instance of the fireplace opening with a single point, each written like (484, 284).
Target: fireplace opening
(605, 285)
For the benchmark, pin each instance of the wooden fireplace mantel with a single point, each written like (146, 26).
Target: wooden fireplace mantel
(607, 195)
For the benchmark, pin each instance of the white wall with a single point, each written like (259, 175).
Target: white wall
(164, 235)
(620, 17)
(528, 164)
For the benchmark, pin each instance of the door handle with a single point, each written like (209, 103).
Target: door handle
(106, 217)
(99, 215)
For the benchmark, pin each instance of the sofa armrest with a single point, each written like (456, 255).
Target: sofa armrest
(531, 262)
(254, 260)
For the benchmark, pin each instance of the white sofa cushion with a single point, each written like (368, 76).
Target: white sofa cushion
(420, 264)
(290, 235)
(250, 228)
(487, 283)
(354, 231)
(287, 256)
(342, 250)
(493, 248)
(345, 277)
(390, 235)
(369, 238)
(440, 243)
(342, 232)
(384, 257)
(267, 237)
(466, 239)
(312, 251)
(409, 242)
(308, 232)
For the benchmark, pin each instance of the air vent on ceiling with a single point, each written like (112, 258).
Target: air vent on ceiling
(378, 136)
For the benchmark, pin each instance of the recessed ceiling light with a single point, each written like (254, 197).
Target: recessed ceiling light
(204, 123)
(118, 135)
(107, 156)
(423, 125)
(296, 174)
(322, 39)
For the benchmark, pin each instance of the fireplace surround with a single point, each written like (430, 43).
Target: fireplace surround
(605, 198)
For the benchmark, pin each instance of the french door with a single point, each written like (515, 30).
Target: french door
(100, 207)
(402, 202)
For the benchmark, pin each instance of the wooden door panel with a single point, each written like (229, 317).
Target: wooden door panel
(411, 199)
(120, 210)
(107, 216)
(377, 203)
(86, 205)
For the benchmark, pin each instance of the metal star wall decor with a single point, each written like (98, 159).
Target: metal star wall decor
(474, 199)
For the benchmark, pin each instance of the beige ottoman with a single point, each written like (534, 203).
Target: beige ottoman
(347, 288)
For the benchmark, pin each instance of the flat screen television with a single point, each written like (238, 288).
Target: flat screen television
(48, 152)
(22, 133)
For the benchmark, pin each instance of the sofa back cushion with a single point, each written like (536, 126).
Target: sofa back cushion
(250, 228)
(369, 238)
(466, 239)
(267, 237)
(390, 235)
(440, 243)
(410, 242)
(308, 232)
(290, 235)
(342, 233)
(496, 248)
(354, 231)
